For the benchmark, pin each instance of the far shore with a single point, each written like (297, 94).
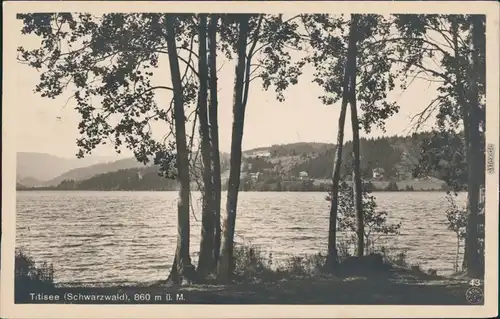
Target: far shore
(241, 191)
(296, 186)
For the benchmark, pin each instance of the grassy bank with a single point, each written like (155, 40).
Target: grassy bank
(375, 279)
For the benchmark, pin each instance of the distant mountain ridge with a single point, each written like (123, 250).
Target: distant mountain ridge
(34, 169)
(82, 173)
(29, 182)
(145, 178)
(29, 174)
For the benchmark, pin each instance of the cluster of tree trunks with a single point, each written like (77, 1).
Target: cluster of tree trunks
(216, 245)
(466, 89)
(348, 97)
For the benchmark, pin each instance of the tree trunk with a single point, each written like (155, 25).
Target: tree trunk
(182, 262)
(475, 169)
(214, 132)
(356, 174)
(226, 258)
(331, 259)
(464, 261)
(469, 104)
(464, 109)
(205, 262)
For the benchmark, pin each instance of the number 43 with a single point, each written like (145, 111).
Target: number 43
(475, 282)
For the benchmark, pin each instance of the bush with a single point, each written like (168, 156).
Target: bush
(396, 258)
(457, 222)
(31, 278)
(344, 247)
(303, 266)
(375, 221)
(252, 266)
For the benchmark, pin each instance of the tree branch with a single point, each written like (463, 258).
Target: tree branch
(422, 117)
(249, 62)
(434, 73)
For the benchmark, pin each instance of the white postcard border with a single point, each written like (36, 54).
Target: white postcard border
(10, 310)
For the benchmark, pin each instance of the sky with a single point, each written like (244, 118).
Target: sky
(50, 125)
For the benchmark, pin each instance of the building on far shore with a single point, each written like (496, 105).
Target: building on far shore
(378, 173)
(260, 154)
(303, 175)
(245, 165)
(255, 176)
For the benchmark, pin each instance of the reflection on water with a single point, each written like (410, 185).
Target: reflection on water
(127, 237)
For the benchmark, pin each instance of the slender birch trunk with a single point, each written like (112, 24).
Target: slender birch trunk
(214, 131)
(182, 262)
(226, 258)
(331, 260)
(205, 261)
(356, 174)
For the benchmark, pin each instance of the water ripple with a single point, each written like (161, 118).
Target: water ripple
(130, 237)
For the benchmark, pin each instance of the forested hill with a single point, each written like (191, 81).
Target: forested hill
(133, 179)
(396, 155)
(83, 173)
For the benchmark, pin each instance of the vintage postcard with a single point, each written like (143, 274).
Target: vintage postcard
(247, 159)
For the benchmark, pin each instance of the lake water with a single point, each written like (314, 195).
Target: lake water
(129, 237)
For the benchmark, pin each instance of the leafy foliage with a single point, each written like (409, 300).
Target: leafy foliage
(375, 73)
(109, 61)
(457, 222)
(460, 106)
(456, 216)
(418, 49)
(279, 71)
(30, 276)
(272, 39)
(443, 154)
(427, 40)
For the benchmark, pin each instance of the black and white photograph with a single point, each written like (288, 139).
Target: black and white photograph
(253, 154)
